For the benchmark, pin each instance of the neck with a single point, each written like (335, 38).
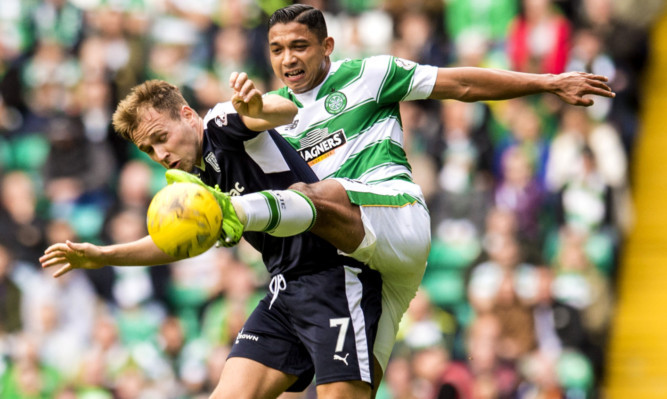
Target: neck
(324, 71)
(200, 139)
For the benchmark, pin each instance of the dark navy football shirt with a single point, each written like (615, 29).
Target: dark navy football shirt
(243, 161)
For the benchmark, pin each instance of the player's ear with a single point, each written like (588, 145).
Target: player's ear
(188, 113)
(328, 46)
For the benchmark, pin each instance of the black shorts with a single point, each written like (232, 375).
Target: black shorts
(321, 324)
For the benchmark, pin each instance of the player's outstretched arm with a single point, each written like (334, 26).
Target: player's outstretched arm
(478, 84)
(68, 256)
(259, 112)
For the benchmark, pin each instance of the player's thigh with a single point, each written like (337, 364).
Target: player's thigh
(344, 390)
(244, 378)
(338, 220)
(397, 227)
(336, 312)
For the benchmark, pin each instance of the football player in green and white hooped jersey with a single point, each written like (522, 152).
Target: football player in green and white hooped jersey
(348, 129)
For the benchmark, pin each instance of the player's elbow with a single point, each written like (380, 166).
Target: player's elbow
(289, 115)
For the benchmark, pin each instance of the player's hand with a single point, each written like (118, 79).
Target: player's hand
(571, 87)
(247, 99)
(70, 256)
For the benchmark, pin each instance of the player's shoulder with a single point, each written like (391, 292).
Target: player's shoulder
(219, 113)
(283, 92)
(361, 63)
(387, 62)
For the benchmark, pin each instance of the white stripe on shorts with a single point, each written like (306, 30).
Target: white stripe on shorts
(354, 291)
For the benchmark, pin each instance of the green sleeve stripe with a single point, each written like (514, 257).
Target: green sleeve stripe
(374, 199)
(312, 207)
(397, 83)
(274, 210)
(384, 80)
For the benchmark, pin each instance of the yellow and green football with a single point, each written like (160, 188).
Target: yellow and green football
(184, 220)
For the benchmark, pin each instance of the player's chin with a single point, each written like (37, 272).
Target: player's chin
(181, 165)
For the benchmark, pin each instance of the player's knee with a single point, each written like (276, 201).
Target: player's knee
(322, 192)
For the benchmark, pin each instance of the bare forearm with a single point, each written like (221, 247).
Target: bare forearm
(142, 252)
(276, 111)
(478, 84)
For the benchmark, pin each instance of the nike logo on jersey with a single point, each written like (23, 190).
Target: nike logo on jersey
(342, 359)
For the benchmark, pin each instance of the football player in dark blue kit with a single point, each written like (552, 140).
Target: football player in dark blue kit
(320, 317)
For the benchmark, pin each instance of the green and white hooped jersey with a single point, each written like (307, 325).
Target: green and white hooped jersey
(349, 126)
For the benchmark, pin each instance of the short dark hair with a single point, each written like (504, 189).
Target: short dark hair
(303, 14)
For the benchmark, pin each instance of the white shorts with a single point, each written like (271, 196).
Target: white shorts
(397, 244)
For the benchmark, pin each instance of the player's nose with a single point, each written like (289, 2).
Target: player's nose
(161, 155)
(288, 58)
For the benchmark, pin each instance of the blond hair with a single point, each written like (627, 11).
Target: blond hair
(155, 94)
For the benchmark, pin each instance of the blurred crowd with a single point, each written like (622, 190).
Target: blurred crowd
(529, 198)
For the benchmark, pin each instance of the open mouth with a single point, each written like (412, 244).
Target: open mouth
(295, 74)
(173, 165)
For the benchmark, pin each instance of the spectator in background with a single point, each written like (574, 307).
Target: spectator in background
(76, 168)
(459, 205)
(519, 191)
(10, 298)
(399, 379)
(92, 380)
(578, 283)
(48, 77)
(493, 378)
(438, 375)
(494, 287)
(490, 20)
(232, 53)
(589, 54)
(105, 343)
(538, 39)
(576, 131)
(134, 188)
(21, 226)
(183, 355)
(527, 133)
(231, 298)
(77, 175)
(61, 20)
(621, 26)
(416, 29)
(139, 295)
(27, 376)
(585, 202)
(132, 383)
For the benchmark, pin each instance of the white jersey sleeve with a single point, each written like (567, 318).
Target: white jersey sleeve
(403, 80)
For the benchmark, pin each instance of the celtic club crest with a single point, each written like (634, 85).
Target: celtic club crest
(335, 102)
